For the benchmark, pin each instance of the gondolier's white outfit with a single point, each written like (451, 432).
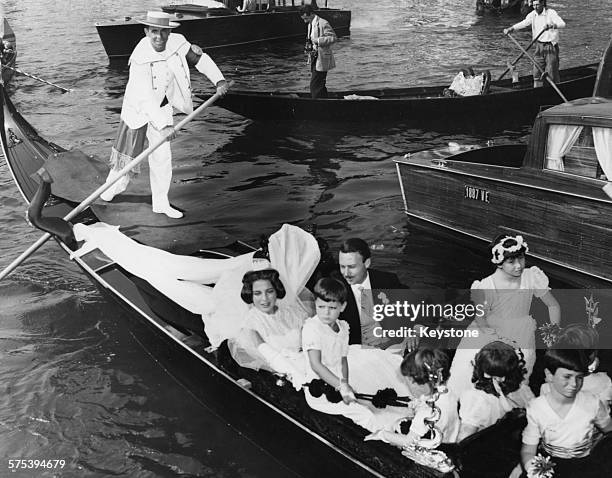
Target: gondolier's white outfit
(546, 52)
(158, 82)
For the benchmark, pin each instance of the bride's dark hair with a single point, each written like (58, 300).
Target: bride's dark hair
(265, 274)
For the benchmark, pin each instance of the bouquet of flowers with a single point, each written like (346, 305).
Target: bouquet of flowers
(540, 467)
(549, 333)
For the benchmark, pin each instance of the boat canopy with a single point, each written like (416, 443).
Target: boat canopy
(592, 108)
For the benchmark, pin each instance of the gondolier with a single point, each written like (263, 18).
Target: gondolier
(159, 81)
(547, 47)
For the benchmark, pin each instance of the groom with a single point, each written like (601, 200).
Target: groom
(366, 286)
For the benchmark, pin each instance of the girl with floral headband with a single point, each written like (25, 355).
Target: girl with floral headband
(498, 378)
(505, 297)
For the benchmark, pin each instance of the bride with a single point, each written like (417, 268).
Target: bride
(184, 279)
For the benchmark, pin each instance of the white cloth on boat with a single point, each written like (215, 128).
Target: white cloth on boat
(360, 97)
(370, 369)
(467, 86)
(602, 139)
(180, 278)
(561, 138)
(184, 279)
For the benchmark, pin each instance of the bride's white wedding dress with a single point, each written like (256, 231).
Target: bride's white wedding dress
(294, 253)
(183, 279)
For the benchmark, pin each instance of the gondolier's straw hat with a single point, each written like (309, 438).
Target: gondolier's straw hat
(158, 19)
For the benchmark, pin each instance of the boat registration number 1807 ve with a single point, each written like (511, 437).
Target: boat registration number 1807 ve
(478, 194)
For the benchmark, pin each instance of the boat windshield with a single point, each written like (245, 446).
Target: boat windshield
(580, 150)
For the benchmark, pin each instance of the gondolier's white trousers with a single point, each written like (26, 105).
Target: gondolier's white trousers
(160, 169)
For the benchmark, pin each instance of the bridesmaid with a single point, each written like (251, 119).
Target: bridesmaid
(505, 297)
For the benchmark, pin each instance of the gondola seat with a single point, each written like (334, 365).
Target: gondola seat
(492, 452)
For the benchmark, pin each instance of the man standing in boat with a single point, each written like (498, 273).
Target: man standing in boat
(159, 80)
(319, 40)
(546, 53)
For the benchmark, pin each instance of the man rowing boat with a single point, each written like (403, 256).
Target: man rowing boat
(159, 81)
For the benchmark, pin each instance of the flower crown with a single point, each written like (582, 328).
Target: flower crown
(499, 249)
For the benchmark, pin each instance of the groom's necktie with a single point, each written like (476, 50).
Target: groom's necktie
(366, 314)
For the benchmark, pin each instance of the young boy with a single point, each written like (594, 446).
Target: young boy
(325, 341)
(563, 421)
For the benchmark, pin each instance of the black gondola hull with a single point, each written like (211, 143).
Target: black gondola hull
(502, 107)
(120, 37)
(292, 444)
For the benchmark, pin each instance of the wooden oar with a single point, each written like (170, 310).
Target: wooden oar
(520, 56)
(93, 196)
(544, 74)
(29, 75)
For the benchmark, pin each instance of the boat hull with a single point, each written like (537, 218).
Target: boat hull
(292, 444)
(424, 107)
(120, 37)
(561, 222)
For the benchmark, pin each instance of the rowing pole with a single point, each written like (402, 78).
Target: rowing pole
(93, 196)
(29, 75)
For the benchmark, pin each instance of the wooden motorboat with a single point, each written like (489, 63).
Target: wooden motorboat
(505, 104)
(8, 56)
(549, 191)
(220, 27)
(273, 415)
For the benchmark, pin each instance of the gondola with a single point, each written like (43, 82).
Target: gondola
(550, 191)
(264, 409)
(220, 27)
(505, 104)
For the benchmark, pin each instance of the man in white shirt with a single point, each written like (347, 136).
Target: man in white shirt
(159, 81)
(546, 53)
